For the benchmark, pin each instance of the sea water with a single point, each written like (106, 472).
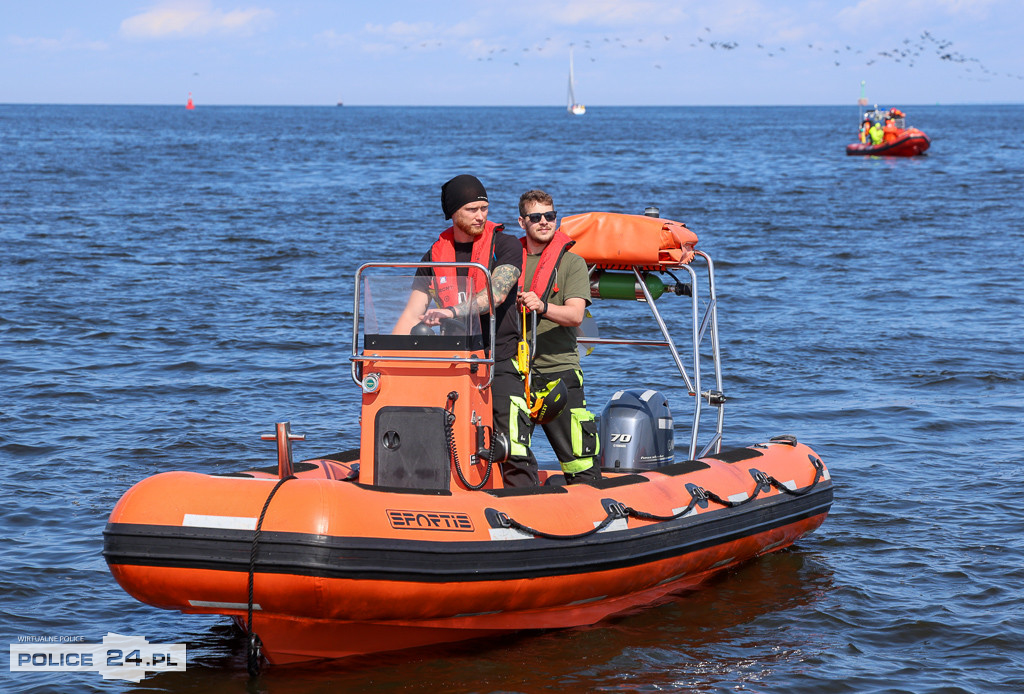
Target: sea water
(175, 282)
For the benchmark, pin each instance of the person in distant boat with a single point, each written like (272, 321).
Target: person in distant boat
(877, 134)
(890, 133)
(472, 238)
(555, 284)
(865, 131)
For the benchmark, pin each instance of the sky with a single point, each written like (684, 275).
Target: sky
(488, 53)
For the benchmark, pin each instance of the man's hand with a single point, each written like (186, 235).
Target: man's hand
(531, 301)
(435, 315)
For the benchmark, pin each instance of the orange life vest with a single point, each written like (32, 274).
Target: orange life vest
(543, 280)
(443, 251)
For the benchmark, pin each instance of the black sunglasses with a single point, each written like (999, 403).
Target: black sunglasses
(534, 217)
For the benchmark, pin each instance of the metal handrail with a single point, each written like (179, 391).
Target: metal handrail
(711, 318)
(700, 325)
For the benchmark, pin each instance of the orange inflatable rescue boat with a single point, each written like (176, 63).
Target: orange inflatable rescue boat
(410, 539)
(899, 140)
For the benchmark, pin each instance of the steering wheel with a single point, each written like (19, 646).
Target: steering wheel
(452, 326)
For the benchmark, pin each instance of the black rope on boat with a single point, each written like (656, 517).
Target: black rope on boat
(819, 470)
(762, 482)
(697, 495)
(253, 644)
(453, 453)
(612, 514)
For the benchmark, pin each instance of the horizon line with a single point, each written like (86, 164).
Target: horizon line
(517, 106)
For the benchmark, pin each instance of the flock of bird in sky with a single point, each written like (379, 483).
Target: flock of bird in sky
(908, 53)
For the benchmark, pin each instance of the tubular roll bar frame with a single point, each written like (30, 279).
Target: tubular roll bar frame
(709, 320)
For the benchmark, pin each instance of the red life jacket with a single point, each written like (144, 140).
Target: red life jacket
(543, 281)
(443, 251)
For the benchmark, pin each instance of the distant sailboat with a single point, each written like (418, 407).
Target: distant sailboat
(577, 109)
(188, 104)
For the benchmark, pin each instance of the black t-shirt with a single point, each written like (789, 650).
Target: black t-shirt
(507, 251)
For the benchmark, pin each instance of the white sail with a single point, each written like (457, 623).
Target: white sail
(574, 108)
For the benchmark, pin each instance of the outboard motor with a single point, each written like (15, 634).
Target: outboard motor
(636, 431)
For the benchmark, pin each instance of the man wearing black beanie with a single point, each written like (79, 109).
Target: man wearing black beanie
(459, 191)
(472, 238)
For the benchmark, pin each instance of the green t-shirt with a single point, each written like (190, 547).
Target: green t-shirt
(556, 344)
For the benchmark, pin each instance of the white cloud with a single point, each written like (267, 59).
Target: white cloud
(423, 31)
(877, 12)
(614, 12)
(404, 30)
(187, 18)
(420, 36)
(332, 38)
(66, 43)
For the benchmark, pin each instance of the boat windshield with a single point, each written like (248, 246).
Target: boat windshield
(882, 116)
(385, 299)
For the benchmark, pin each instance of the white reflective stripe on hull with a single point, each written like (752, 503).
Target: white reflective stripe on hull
(195, 520)
(617, 524)
(224, 605)
(509, 534)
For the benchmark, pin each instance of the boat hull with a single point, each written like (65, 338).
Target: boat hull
(341, 569)
(910, 143)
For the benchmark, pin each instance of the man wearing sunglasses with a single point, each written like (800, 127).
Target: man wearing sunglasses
(555, 284)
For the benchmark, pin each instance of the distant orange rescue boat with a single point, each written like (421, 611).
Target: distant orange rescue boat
(899, 140)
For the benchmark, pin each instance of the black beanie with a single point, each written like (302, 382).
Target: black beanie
(459, 191)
